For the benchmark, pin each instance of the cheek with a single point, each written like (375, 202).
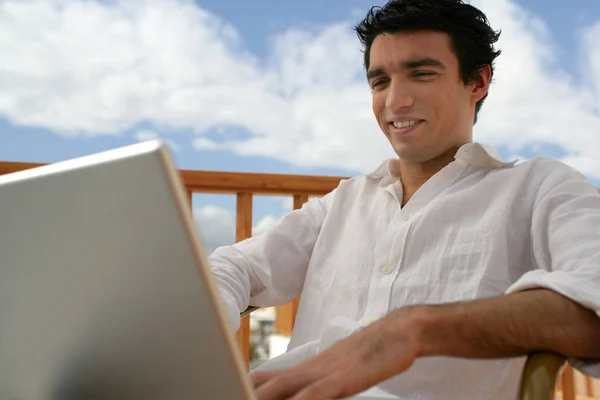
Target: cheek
(446, 104)
(378, 104)
(455, 106)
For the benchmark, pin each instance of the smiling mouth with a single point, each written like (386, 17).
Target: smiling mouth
(404, 127)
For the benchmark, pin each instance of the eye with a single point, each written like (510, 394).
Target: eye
(423, 74)
(378, 83)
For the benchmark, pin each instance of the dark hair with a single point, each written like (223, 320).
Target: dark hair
(471, 36)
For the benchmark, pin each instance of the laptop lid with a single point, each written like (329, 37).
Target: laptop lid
(105, 291)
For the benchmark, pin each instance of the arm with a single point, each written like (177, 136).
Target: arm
(269, 269)
(500, 327)
(507, 326)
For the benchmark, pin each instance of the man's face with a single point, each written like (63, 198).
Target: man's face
(419, 100)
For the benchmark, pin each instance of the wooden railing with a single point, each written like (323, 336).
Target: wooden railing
(572, 385)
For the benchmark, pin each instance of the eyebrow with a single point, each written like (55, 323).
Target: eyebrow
(410, 64)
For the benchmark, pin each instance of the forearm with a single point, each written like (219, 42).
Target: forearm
(506, 326)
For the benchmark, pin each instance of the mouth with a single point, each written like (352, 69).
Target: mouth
(402, 128)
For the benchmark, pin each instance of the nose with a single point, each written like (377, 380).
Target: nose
(398, 96)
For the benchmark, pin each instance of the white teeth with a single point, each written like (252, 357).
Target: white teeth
(404, 124)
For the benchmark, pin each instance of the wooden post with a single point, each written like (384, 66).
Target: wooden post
(191, 199)
(286, 314)
(589, 387)
(299, 200)
(243, 230)
(568, 383)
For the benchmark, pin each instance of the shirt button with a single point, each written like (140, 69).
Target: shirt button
(386, 269)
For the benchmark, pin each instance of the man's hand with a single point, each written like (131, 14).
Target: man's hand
(353, 365)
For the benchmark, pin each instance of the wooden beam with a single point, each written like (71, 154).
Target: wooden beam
(234, 182)
(262, 184)
(243, 230)
(10, 167)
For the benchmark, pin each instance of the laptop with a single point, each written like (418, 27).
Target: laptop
(105, 289)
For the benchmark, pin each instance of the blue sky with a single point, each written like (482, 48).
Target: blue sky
(262, 41)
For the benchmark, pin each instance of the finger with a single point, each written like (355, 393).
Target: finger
(259, 378)
(322, 389)
(284, 385)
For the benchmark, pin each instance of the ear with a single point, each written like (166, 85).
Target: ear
(480, 87)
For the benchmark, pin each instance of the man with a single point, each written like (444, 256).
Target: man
(433, 276)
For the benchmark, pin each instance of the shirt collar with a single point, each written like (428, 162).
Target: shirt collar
(482, 155)
(477, 154)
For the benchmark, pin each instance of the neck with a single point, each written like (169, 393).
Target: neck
(413, 175)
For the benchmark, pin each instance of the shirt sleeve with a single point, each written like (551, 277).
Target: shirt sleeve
(268, 269)
(565, 234)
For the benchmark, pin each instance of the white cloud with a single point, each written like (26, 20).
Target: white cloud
(591, 52)
(92, 68)
(287, 203)
(203, 143)
(264, 224)
(216, 225)
(532, 100)
(147, 134)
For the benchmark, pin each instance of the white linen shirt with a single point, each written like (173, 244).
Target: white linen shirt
(478, 228)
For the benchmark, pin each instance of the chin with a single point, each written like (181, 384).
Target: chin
(415, 154)
(407, 154)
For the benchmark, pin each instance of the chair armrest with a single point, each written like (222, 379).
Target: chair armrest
(538, 380)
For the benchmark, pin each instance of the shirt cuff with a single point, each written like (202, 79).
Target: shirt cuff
(229, 307)
(582, 291)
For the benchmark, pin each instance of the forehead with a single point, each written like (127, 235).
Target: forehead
(391, 49)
